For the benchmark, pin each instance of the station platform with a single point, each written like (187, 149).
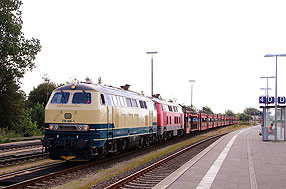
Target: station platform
(237, 160)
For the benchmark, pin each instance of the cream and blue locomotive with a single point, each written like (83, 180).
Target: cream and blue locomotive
(83, 121)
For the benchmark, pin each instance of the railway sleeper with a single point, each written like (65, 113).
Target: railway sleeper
(130, 185)
(151, 176)
(140, 184)
(150, 179)
(145, 181)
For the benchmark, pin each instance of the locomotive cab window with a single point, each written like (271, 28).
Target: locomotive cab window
(81, 98)
(60, 98)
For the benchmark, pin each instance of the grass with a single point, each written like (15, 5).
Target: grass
(122, 167)
(7, 136)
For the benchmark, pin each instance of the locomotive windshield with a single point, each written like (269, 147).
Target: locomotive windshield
(60, 98)
(81, 98)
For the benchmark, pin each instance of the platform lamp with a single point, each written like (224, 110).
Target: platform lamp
(192, 81)
(154, 52)
(266, 102)
(275, 99)
(266, 89)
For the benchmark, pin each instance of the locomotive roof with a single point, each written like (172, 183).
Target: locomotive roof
(156, 100)
(102, 88)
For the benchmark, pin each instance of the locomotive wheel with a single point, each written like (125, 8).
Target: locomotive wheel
(148, 140)
(122, 145)
(165, 136)
(141, 142)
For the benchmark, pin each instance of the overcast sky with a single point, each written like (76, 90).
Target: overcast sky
(221, 44)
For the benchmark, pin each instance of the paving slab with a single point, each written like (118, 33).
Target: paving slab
(238, 160)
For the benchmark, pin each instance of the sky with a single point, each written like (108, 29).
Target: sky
(220, 44)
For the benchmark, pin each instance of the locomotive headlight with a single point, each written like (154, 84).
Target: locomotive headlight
(82, 127)
(56, 127)
(85, 128)
(53, 127)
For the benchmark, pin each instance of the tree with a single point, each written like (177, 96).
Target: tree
(251, 111)
(12, 103)
(16, 58)
(73, 81)
(188, 108)
(41, 93)
(229, 113)
(17, 53)
(99, 80)
(88, 80)
(206, 109)
(244, 117)
(37, 115)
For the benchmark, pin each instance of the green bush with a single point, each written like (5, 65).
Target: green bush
(28, 127)
(6, 134)
(37, 114)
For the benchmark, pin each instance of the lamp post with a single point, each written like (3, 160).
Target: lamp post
(155, 52)
(192, 81)
(265, 110)
(275, 99)
(266, 92)
(263, 77)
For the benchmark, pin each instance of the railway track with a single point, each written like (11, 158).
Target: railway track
(19, 146)
(155, 173)
(9, 160)
(39, 177)
(11, 154)
(33, 175)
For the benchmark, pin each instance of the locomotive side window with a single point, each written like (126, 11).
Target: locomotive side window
(102, 100)
(123, 104)
(174, 108)
(166, 107)
(118, 101)
(81, 98)
(134, 103)
(128, 101)
(60, 98)
(115, 100)
(143, 104)
(108, 100)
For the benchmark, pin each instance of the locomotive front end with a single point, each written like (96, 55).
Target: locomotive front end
(70, 116)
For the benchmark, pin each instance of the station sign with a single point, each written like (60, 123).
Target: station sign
(264, 100)
(281, 100)
(271, 100)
